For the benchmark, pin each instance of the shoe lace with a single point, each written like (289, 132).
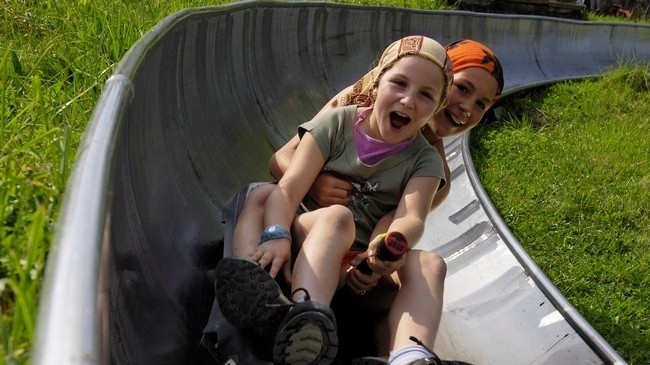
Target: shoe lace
(307, 296)
(433, 356)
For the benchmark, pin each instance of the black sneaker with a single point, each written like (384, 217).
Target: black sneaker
(249, 297)
(307, 336)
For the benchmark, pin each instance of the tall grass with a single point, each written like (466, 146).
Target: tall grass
(54, 59)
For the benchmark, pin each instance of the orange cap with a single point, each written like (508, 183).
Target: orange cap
(469, 53)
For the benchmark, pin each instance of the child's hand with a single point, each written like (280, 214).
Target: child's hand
(328, 190)
(378, 266)
(385, 267)
(360, 283)
(388, 267)
(274, 253)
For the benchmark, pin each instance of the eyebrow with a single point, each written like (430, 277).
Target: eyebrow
(430, 89)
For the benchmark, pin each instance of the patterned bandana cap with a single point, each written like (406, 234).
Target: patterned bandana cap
(468, 53)
(362, 90)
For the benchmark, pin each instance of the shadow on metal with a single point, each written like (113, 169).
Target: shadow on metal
(193, 113)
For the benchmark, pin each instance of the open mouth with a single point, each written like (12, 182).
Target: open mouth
(451, 119)
(398, 121)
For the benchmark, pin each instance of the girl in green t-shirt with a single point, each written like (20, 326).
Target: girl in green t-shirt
(409, 87)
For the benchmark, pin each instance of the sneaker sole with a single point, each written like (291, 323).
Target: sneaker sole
(309, 338)
(249, 297)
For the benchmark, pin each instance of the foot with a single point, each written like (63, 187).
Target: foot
(307, 336)
(249, 297)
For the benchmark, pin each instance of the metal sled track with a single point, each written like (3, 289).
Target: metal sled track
(194, 111)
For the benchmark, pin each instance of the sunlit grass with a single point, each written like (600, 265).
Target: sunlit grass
(568, 169)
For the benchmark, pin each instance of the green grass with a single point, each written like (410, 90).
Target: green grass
(568, 168)
(56, 55)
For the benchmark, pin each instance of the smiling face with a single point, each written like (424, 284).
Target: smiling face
(407, 95)
(471, 95)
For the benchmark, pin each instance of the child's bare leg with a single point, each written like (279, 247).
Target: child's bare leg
(418, 306)
(322, 238)
(326, 235)
(248, 230)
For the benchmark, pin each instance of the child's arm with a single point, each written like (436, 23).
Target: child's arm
(327, 189)
(414, 207)
(281, 159)
(409, 219)
(283, 202)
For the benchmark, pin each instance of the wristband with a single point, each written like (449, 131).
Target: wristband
(273, 232)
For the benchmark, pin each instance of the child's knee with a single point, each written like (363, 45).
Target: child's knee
(425, 264)
(339, 216)
(433, 264)
(258, 196)
(339, 219)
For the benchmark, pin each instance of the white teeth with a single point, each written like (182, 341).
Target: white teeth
(455, 120)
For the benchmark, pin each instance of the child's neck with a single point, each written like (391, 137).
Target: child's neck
(365, 120)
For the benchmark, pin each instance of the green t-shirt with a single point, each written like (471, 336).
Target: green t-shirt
(377, 188)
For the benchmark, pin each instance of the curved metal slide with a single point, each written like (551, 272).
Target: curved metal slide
(193, 113)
